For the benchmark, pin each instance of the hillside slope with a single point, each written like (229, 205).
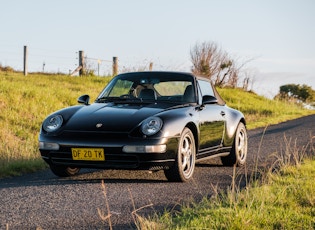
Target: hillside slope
(26, 100)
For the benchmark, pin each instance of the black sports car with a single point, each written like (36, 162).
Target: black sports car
(145, 120)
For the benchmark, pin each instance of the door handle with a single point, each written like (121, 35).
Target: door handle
(222, 113)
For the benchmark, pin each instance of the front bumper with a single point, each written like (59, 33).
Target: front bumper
(116, 156)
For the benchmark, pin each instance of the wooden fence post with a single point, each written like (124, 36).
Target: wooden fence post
(81, 63)
(25, 61)
(115, 66)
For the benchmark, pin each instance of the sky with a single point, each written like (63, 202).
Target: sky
(277, 36)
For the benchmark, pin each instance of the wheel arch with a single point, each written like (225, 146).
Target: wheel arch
(192, 126)
(243, 121)
(232, 121)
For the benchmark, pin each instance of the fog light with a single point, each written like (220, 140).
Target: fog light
(48, 146)
(144, 148)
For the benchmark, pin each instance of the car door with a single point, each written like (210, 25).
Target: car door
(211, 117)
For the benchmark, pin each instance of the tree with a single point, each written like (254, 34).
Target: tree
(296, 92)
(206, 59)
(210, 61)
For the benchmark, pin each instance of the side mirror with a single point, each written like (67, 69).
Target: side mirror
(84, 99)
(207, 99)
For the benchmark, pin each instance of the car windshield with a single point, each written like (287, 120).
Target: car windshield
(150, 86)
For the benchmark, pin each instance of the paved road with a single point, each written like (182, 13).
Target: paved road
(43, 200)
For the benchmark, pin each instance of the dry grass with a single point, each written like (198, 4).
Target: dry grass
(282, 197)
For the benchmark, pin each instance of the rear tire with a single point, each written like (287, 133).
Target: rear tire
(238, 152)
(184, 165)
(63, 171)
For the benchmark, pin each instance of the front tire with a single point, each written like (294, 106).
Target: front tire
(238, 152)
(63, 171)
(184, 166)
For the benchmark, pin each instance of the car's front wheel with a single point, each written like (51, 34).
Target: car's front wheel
(63, 171)
(184, 166)
(238, 152)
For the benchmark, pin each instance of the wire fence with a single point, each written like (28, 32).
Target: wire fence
(47, 60)
(51, 61)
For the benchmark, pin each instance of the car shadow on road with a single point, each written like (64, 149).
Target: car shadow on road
(44, 178)
(206, 165)
(89, 176)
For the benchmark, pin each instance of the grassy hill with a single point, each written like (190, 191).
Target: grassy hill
(260, 111)
(26, 100)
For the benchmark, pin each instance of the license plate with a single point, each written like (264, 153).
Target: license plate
(88, 154)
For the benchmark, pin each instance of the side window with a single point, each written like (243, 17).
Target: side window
(205, 88)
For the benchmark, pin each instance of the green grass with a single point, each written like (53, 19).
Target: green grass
(260, 111)
(26, 100)
(24, 103)
(286, 200)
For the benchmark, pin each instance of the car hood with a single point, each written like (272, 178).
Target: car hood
(112, 117)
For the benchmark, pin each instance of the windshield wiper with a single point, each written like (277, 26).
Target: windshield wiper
(107, 99)
(121, 99)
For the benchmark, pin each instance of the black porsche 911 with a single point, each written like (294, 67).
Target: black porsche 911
(145, 120)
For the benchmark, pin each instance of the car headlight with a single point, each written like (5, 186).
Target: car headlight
(52, 123)
(151, 126)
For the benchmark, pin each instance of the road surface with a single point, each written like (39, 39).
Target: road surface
(41, 200)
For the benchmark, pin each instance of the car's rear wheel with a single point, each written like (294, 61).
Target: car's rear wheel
(184, 166)
(64, 171)
(238, 152)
